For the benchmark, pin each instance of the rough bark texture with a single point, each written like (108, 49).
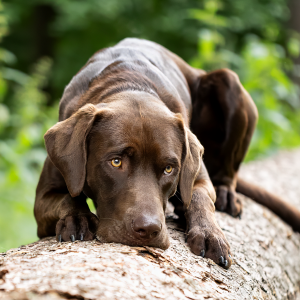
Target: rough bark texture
(266, 263)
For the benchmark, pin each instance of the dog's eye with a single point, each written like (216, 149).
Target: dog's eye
(168, 170)
(116, 162)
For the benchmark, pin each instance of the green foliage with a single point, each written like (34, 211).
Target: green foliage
(261, 63)
(275, 96)
(24, 117)
(47, 41)
(22, 154)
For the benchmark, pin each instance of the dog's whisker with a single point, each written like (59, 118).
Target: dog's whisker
(178, 198)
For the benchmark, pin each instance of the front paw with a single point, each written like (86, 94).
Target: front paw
(77, 227)
(210, 242)
(228, 201)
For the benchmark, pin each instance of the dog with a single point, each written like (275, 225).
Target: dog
(128, 137)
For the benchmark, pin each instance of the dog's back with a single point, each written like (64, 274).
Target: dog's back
(143, 64)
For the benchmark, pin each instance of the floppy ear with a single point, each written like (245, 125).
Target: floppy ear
(66, 147)
(191, 163)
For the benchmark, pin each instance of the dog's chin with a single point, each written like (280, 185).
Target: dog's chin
(124, 237)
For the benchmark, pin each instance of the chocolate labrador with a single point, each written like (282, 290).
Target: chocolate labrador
(128, 137)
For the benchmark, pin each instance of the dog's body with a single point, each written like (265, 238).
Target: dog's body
(124, 141)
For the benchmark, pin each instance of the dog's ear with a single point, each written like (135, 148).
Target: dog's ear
(66, 146)
(190, 167)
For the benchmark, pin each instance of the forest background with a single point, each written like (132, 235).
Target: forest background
(45, 42)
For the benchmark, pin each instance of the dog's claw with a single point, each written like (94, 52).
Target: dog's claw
(81, 236)
(229, 255)
(202, 253)
(226, 263)
(221, 260)
(59, 238)
(72, 237)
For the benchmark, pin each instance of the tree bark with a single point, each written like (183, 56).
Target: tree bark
(266, 257)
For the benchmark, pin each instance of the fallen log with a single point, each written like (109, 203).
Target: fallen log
(266, 261)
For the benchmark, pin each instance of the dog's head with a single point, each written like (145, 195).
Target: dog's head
(128, 155)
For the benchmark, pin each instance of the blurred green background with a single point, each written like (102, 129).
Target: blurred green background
(45, 42)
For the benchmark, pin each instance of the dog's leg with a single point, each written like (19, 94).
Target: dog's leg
(57, 213)
(224, 118)
(203, 234)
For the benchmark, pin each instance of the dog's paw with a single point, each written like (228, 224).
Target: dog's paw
(210, 243)
(228, 201)
(77, 227)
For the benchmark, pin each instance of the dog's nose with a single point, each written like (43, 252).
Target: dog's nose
(146, 227)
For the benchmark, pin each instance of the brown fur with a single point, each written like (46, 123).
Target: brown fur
(141, 104)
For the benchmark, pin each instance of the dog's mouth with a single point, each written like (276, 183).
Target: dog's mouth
(117, 232)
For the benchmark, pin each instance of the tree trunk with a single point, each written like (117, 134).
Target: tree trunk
(266, 257)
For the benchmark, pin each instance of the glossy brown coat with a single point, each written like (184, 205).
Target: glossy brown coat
(141, 106)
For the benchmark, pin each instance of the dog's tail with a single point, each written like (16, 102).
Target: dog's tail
(284, 210)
